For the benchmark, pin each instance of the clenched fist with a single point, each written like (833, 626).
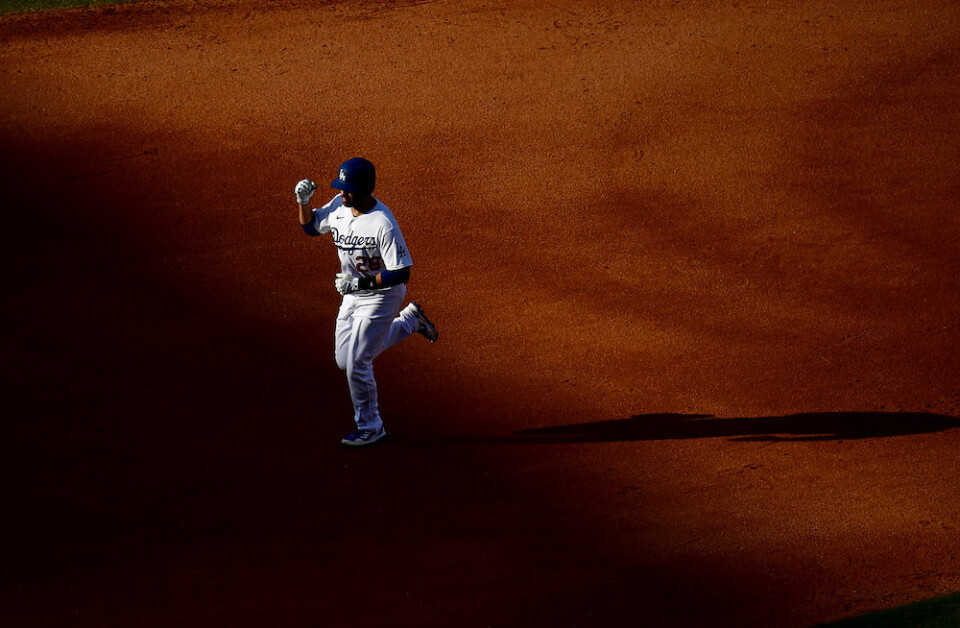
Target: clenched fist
(345, 284)
(304, 191)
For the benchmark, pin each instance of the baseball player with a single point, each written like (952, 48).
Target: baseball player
(374, 269)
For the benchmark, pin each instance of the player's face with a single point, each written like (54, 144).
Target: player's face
(353, 199)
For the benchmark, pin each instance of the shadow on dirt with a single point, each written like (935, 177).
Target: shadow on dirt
(815, 426)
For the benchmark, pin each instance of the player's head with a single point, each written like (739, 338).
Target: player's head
(357, 176)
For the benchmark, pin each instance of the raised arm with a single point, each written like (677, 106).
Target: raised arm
(304, 191)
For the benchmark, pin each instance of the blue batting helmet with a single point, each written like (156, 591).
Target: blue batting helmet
(356, 175)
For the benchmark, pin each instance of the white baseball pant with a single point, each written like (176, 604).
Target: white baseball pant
(368, 325)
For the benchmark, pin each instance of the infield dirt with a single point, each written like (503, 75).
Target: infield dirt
(694, 265)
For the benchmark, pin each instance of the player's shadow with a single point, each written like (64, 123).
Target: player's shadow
(815, 426)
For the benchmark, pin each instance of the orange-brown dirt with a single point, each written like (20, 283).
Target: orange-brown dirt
(695, 267)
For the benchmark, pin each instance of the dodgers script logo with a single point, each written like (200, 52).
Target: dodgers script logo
(350, 241)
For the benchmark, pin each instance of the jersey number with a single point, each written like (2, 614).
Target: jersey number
(371, 264)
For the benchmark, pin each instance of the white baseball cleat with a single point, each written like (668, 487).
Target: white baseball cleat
(427, 328)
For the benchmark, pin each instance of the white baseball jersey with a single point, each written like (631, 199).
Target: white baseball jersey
(367, 244)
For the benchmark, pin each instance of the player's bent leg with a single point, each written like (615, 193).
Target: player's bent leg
(401, 328)
(410, 320)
